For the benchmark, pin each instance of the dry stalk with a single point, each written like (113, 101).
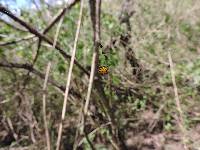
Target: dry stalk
(12, 128)
(45, 86)
(79, 125)
(44, 106)
(178, 105)
(92, 73)
(40, 35)
(69, 78)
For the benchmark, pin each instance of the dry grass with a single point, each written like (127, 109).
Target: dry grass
(145, 111)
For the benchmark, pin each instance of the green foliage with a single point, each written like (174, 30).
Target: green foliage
(61, 65)
(140, 104)
(167, 18)
(186, 29)
(85, 142)
(168, 127)
(111, 24)
(111, 60)
(168, 121)
(116, 80)
(157, 26)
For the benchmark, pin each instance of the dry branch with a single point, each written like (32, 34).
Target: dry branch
(60, 14)
(52, 23)
(40, 35)
(45, 83)
(17, 41)
(39, 74)
(12, 25)
(95, 12)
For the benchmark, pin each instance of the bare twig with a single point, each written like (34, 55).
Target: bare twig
(69, 78)
(45, 85)
(95, 11)
(14, 26)
(88, 139)
(79, 124)
(93, 132)
(175, 87)
(57, 17)
(178, 105)
(60, 14)
(40, 35)
(155, 120)
(52, 23)
(92, 74)
(39, 74)
(12, 128)
(95, 15)
(17, 41)
(44, 12)
(44, 107)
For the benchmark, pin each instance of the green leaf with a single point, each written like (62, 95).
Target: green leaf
(116, 80)
(61, 66)
(167, 18)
